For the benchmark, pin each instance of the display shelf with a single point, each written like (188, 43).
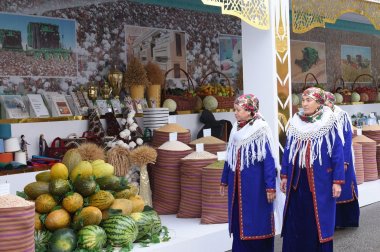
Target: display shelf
(23, 170)
(188, 235)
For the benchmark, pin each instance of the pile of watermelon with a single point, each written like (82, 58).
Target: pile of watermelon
(85, 207)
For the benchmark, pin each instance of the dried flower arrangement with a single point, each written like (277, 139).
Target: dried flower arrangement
(154, 74)
(135, 74)
(143, 155)
(90, 152)
(118, 157)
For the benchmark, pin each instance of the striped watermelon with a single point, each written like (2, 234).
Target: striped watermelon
(121, 230)
(144, 223)
(155, 221)
(41, 239)
(92, 237)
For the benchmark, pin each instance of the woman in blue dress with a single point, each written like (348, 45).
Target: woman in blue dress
(250, 175)
(347, 208)
(311, 176)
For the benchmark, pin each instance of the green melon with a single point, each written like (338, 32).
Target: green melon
(71, 159)
(59, 187)
(63, 240)
(35, 189)
(85, 186)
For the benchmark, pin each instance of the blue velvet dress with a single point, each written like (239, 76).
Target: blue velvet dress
(250, 173)
(347, 208)
(312, 163)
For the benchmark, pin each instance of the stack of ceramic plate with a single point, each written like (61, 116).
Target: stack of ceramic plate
(154, 118)
(166, 177)
(373, 132)
(369, 155)
(210, 143)
(359, 166)
(214, 206)
(191, 183)
(161, 135)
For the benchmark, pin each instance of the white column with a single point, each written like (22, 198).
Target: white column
(259, 68)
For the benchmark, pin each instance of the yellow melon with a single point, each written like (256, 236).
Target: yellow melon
(138, 203)
(73, 202)
(102, 170)
(88, 216)
(59, 171)
(57, 219)
(45, 203)
(84, 169)
(37, 222)
(124, 205)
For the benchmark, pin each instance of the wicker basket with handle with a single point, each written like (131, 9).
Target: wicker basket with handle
(186, 100)
(305, 82)
(224, 101)
(346, 93)
(370, 91)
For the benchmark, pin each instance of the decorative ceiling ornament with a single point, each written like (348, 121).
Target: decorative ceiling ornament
(308, 14)
(253, 12)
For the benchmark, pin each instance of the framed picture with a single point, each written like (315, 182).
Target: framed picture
(308, 57)
(166, 48)
(230, 52)
(13, 106)
(355, 61)
(37, 46)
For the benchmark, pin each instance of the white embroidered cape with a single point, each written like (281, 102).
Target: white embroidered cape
(300, 133)
(344, 120)
(251, 140)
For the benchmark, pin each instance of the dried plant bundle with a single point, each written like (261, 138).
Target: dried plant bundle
(119, 158)
(135, 73)
(143, 155)
(154, 74)
(90, 152)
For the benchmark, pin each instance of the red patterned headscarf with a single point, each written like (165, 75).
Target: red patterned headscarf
(248, 102)
(316, 94)
(330, 97)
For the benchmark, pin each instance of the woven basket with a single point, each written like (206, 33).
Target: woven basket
(17, 228)
(359, 166)
(369, 155)
(339, 89)
(191, 187)
(371, 92)
(224, 102)
(184, 102)
(214, 206)
(305, 81)
(167, 182)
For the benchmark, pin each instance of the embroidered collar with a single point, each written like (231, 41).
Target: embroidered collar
(241, 124)
(251, 140)
(311, 118)
(300, 133)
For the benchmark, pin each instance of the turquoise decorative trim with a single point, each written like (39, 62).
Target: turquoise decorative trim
(195, 5)
(344, 25)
